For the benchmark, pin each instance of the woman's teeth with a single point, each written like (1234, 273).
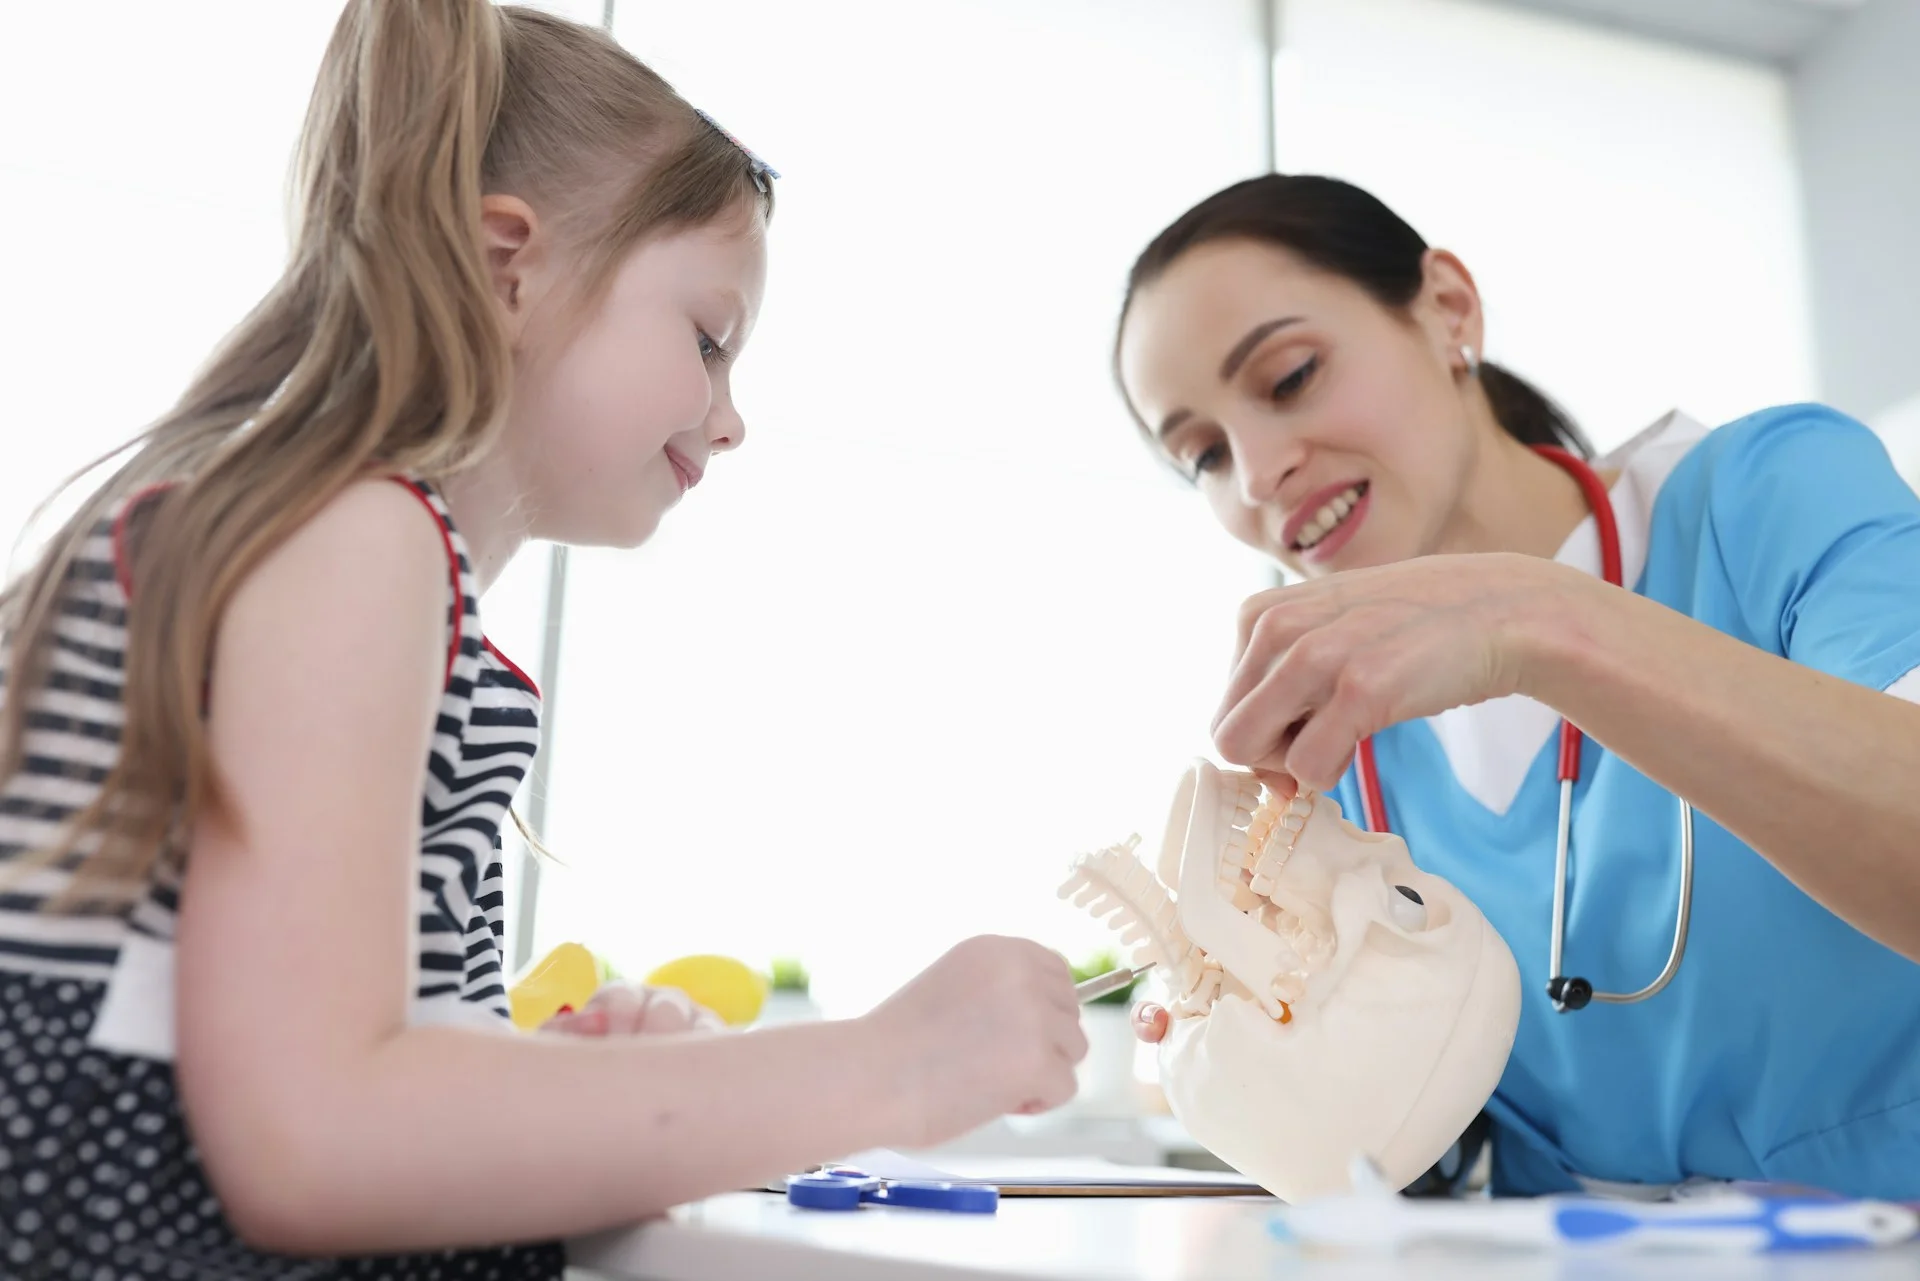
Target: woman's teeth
(1328, 518)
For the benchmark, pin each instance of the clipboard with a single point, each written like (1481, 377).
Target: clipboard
(1127, 1190)
(1054, 1176)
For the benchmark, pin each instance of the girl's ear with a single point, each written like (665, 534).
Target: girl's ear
(508, 229)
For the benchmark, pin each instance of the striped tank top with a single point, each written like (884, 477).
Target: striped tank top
(86, 994)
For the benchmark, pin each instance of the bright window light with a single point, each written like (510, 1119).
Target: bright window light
(942, 622)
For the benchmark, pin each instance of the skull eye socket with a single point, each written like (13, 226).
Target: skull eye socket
(1408, 909)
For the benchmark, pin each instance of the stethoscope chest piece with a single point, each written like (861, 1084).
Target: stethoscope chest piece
(1569, 994)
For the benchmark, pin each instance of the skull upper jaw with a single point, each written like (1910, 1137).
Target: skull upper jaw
(1210, 811)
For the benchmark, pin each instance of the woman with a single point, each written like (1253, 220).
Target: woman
(1300, 353)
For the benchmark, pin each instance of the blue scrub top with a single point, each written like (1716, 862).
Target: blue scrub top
(1788, 1045)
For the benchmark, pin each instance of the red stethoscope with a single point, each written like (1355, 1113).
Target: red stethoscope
(1566, 993)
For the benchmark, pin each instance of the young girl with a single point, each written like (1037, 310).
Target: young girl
(256, 749)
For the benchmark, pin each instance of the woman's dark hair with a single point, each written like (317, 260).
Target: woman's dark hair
(1338, 228)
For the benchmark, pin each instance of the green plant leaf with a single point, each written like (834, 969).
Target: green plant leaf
(788, 975)
(1103, 962)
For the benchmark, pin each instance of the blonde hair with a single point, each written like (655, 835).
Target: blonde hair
(380, 349)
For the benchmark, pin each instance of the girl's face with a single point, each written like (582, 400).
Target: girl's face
(615, 419)
(1324, 429)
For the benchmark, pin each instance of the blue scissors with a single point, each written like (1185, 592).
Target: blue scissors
(839, 1187)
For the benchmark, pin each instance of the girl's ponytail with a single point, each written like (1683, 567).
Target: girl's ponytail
(380, 349)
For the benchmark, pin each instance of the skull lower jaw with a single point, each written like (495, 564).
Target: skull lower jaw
(1397, 1077)
(1268, 1100)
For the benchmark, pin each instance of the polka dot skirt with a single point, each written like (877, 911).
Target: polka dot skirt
(99, 1180)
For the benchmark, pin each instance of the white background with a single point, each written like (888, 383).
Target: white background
(1630, 210)
(942, 622)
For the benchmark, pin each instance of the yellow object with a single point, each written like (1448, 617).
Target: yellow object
(568, 975)
(729, 988)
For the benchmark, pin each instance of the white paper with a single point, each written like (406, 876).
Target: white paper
(1041, 1171)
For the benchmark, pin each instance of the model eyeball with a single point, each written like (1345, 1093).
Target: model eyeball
(1408, 909)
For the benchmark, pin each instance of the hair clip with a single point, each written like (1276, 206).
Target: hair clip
(762, 171)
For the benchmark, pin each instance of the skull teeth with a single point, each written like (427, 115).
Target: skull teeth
(1199, 998)
(1115, 887)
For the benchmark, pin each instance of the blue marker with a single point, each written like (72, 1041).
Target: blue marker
(1374, 1219)
(1734, 1223)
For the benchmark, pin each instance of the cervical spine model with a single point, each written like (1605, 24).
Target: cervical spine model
(1328, 998)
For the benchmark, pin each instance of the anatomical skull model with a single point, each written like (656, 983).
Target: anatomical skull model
(1328, 998)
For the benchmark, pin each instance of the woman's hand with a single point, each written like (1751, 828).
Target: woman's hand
(1323, 664)
(630, 1009)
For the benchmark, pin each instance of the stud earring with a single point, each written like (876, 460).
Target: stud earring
(1472, 358)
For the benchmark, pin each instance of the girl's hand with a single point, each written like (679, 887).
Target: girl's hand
(630, 1009)
(1150, 1022)
(1323, 664)
(990, 1028)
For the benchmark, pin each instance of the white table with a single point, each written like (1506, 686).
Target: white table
(749, 1236)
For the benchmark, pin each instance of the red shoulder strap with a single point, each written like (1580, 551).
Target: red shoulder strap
(122, 568)
(453, 574)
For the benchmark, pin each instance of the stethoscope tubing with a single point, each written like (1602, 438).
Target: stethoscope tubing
(1571, 993)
